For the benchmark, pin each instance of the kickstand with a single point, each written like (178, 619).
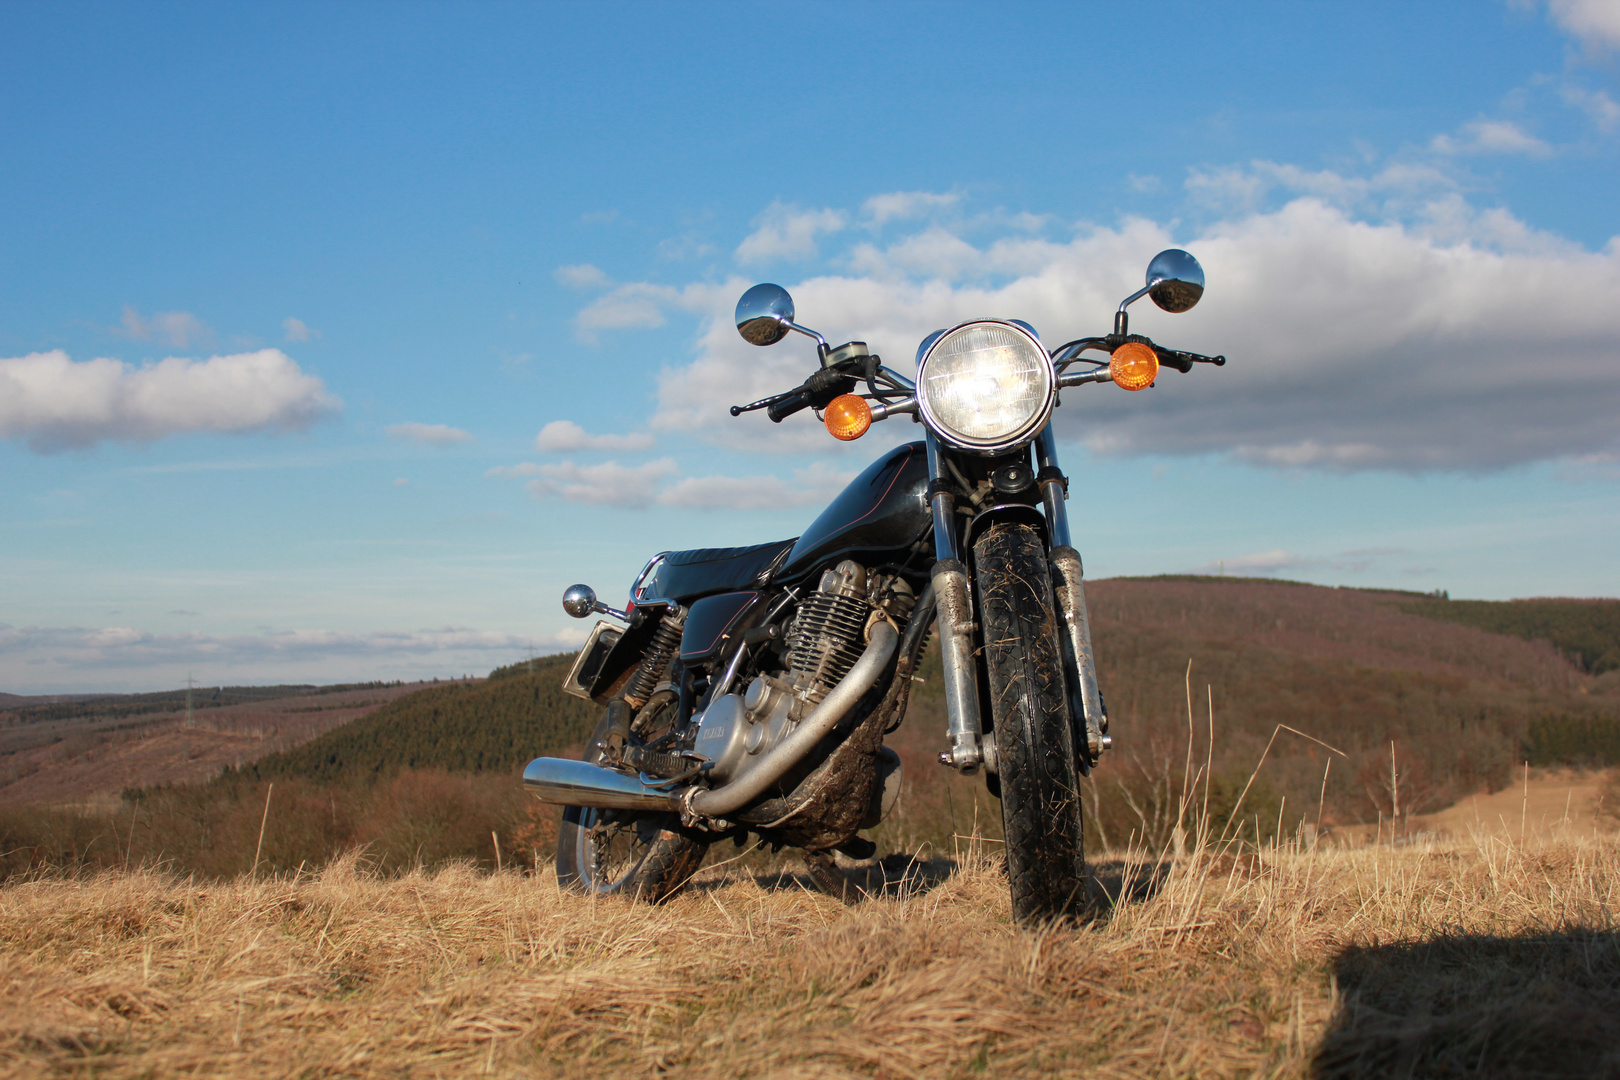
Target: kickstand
(828, 878)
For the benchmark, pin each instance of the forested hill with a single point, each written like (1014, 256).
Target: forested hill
(497, 725)
(1587, 631)
(17, 709)
(1367, 666)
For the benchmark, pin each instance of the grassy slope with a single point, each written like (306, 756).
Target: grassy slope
(1334, 963)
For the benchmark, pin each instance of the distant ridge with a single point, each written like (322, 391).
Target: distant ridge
(1587, 631)
(79, 706)
(495, 725)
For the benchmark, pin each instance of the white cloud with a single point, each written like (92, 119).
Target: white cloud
(1595, 22)
(1361, 559)
(606, 484)
(787, 234)
(685, 247)
(583, 276)
(29, 654)
(1229, 189)
(640, 486)
(55, 403)
(179, 329)
(640, 305)
(813, 486)
(1436, 336)
(563, 436)
(935, 252)
(429, 434)
(1257, 564)
(626, 307)
(1603, 109)
(507, 472)
(901, 205)
(297, 330)
(1484, 136)
(1396, 190)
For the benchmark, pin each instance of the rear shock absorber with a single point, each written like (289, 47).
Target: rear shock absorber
(666, 639)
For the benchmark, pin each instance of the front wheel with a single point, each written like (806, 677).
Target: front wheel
(629, 852)
(1040, 784)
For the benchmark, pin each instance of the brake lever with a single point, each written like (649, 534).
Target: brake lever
(762, 403)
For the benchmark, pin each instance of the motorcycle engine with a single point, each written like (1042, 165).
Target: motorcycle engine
(824, 639)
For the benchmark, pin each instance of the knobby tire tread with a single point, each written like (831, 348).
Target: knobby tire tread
(1042, 812)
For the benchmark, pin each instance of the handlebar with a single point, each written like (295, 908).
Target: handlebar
(820, 388)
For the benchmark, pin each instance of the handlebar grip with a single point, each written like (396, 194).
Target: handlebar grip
(1173, 359)
(788, 405)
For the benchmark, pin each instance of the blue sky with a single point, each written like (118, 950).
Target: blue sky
(336, 340)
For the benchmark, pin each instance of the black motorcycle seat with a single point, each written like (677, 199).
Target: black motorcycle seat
(684, 576)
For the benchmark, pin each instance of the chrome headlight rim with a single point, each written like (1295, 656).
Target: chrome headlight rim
(1025, 432)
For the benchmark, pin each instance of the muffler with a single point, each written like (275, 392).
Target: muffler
(579, 783)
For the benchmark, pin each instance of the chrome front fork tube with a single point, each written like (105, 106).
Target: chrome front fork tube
(967, 752)
(1068, 587)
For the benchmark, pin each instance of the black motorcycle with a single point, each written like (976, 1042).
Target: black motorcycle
(749, 690)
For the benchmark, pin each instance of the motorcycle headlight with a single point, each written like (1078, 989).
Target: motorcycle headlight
(986, 386)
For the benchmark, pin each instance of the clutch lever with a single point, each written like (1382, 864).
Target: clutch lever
(1184, 361)
(816, 391)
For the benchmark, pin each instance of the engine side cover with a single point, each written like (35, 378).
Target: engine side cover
(723, 737)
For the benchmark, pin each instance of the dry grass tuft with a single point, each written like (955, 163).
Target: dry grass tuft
(1478, 958)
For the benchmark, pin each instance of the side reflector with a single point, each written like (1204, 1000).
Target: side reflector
(1133, 365)
(848, 417)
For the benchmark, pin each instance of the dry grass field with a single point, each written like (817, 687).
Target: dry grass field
(1474, 934)
(1485, 956)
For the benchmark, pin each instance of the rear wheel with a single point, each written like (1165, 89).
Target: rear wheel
(1040, 790)
(629, 852)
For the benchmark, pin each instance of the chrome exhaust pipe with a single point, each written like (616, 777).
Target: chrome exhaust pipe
(810, 731)
(580, 783)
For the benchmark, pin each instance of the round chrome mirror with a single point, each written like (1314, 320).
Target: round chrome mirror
(763, 314)
(1175, 280)
(579, 601)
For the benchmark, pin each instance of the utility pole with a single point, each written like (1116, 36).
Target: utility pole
(190, 685)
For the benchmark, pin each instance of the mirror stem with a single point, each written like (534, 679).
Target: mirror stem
(821, 343)
(1138, 294)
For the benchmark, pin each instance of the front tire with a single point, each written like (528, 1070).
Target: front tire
(626, 852)
(1041, 809)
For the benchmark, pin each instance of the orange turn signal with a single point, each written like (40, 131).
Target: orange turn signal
(1133, 365)
(848, 417)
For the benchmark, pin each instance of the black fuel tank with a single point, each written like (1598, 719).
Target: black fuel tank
(884, 509)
